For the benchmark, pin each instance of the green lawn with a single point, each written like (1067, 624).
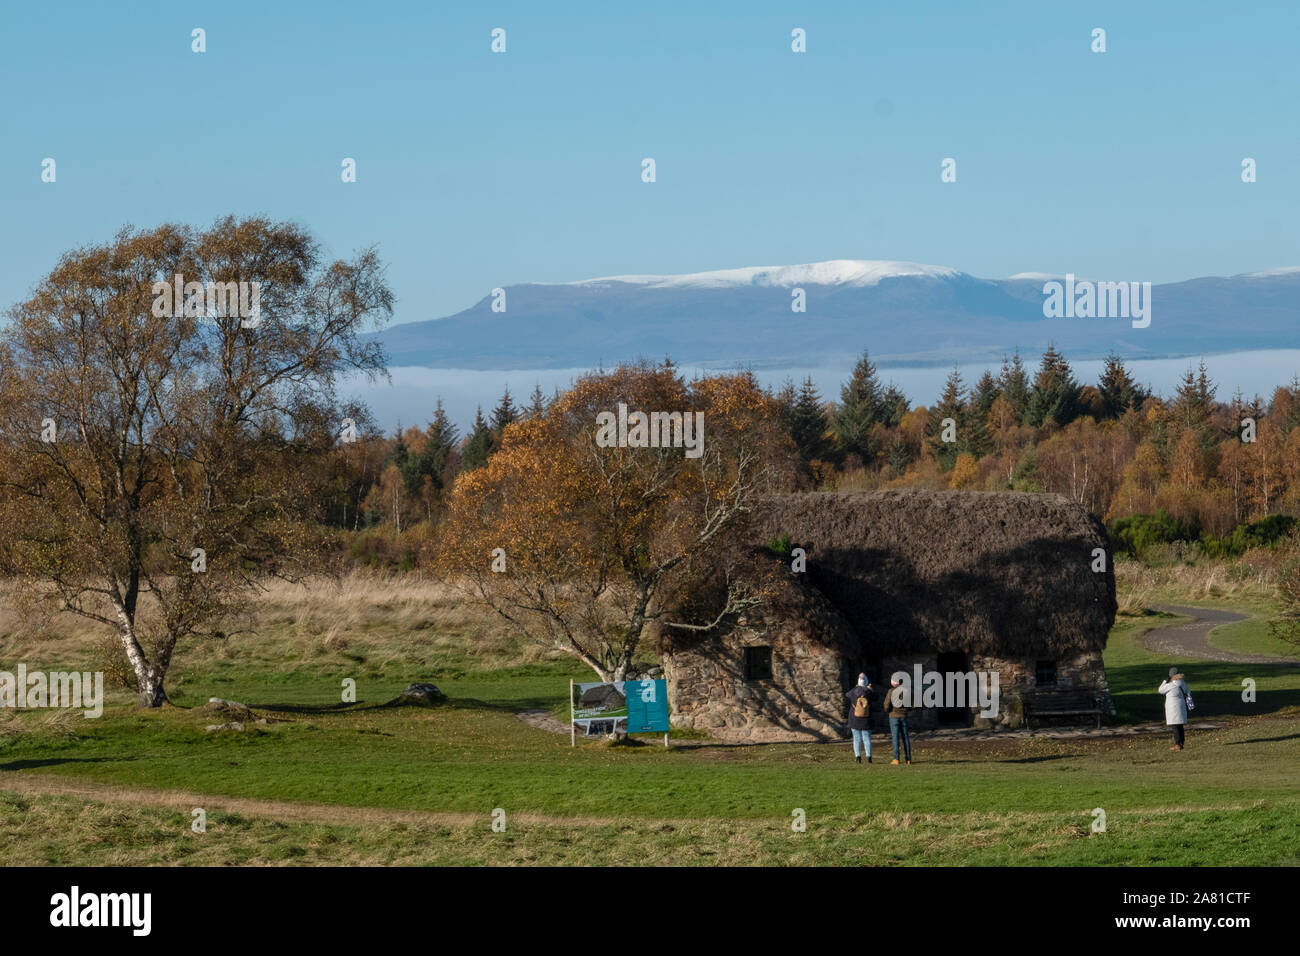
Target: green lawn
(1233, 797)
(1134, 673)
(1252, 636)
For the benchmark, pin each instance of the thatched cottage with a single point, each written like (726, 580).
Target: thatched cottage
(953, 581)
(602, 697)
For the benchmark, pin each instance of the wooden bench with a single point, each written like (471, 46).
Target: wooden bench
(1061, 703)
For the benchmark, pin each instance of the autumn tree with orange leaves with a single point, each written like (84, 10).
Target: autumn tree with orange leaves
(579, 546)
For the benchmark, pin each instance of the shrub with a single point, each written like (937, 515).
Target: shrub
(781, 545)
(379, 548)
(1266, 533)
(1139, 535)
(1161, 538)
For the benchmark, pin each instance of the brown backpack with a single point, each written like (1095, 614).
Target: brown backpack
(861, 705)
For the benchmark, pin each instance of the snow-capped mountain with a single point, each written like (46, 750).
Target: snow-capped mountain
(905, 313)
(836, 272)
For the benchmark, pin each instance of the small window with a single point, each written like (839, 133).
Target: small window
(758, 663)
(1045, 674)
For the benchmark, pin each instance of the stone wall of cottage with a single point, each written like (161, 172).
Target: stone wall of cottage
(804, 700)
(1017, 678)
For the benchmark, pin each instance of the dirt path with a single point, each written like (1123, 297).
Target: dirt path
(542, 720)
(36, 784)
(1190, 640)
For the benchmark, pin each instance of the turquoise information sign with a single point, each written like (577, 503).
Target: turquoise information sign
(647, 706)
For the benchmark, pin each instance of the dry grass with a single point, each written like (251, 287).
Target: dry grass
(383, 617)
(328, 615)
(1139, 585)
(51, 822)
(59, 723)
(29, 622)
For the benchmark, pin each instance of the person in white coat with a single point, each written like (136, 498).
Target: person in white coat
(1177, 701)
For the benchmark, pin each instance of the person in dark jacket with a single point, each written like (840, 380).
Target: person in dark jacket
(859, 699)
(896, 711)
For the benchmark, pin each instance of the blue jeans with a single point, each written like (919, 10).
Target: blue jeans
(898, 725)
(861, 739)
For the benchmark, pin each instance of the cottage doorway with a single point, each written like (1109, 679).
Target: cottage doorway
(953, 662)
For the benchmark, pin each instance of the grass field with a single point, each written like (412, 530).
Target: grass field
(1134, 673)
(327, 782)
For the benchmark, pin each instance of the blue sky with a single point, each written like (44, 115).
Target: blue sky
(477, 170)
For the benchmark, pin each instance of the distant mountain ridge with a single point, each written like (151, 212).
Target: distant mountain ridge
(906, 313)
(837, 272)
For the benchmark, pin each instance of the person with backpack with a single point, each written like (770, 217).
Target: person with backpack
(896, 711)
(859, 699)
(1178, 701)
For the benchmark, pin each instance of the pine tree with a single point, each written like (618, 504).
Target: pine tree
(1119, 392)
(1013, 383)
(1193, 402)
(899, 456)
(785, 400)
(478, 446)
(859, 411)
(1054, 398)
(982, 397)
(504, 413)
(537, 404)
(893, 406)
(407, 463)
(439, 443)
(808, 423)
(951, 405)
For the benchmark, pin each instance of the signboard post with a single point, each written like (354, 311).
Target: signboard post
(573, 728)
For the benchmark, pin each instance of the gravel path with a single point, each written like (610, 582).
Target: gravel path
(35, 784)
(1190, 640)
(542, 720)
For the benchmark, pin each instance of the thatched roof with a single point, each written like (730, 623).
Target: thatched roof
(1002, 573)
(982, 572)
(790, 601)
